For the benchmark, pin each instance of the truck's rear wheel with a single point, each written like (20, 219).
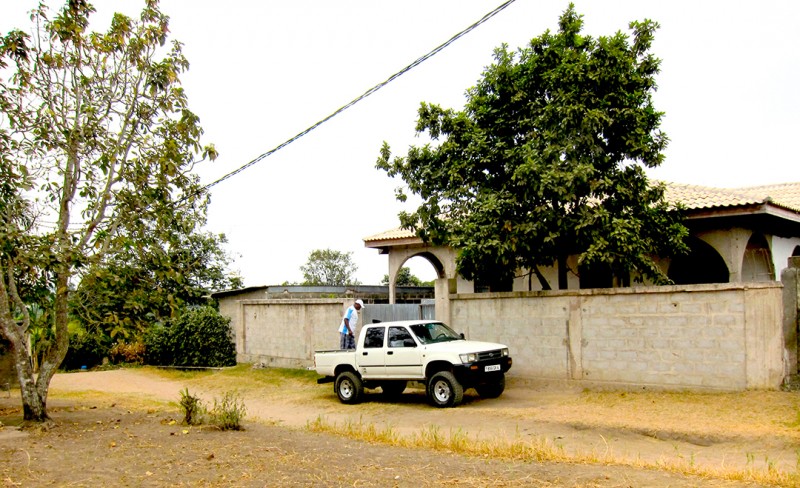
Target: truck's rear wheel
(444, 390)
(349, 387)
(492, 390)
(393, 389)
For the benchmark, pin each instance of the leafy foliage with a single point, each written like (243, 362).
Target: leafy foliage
(326, 267)
(151, 281)
(546, 161)
(126, 353)
(97, 145)
(198, 337)
(85, 349)
(193, 408)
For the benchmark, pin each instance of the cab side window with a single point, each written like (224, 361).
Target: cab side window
(374, 337)
(400, 337)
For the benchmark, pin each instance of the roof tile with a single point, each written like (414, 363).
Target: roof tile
(693, 197)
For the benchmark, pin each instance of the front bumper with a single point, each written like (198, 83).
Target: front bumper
(481, 372)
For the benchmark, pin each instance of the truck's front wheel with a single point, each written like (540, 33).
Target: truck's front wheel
(444, 390)
(349, 387)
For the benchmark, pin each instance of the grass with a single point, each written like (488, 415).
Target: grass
(246, 376)
(539, 450)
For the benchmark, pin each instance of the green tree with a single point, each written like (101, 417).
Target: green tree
(151, 281)
(546, 161)
(405, 278)
(326, 267)
(99, 142)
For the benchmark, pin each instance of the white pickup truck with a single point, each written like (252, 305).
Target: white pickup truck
(390, 354)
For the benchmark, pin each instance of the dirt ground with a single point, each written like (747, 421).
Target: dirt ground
(119, 437)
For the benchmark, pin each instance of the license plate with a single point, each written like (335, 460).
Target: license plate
(492, 367)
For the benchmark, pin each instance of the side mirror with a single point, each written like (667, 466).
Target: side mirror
(462, 335)
(409, 343)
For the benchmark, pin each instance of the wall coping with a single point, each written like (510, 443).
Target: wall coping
(635, 290)
(295, 301)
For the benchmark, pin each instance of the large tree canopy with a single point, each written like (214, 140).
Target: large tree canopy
(546, 161)
(328, 267)
(98, 144)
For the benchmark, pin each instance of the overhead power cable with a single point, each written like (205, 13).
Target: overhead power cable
(364, 95)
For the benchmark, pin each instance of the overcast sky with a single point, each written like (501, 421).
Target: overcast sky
(263, 71)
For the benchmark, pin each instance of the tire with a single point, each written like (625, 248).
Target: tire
(349, 387)
(444, 390)
(492, 390)
(393, 389)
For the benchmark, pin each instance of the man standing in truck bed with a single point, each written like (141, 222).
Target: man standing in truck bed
(347, 329)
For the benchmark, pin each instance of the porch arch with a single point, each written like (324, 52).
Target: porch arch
(757, 260)
(703, 264)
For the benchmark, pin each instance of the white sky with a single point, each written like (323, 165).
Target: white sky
(262, 71)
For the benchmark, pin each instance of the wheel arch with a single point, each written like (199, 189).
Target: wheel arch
(436, 366)
(345, 367)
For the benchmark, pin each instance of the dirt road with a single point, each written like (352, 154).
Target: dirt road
(553, 414)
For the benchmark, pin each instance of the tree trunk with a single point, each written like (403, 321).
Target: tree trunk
(542, 280)
(563, 284)
(34, 405)
(34, 388)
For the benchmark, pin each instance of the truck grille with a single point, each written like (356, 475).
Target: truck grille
(489, 355)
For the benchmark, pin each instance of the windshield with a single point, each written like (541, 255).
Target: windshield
(434, 332)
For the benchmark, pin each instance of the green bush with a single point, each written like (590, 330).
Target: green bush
(199, 337)
(85, 349)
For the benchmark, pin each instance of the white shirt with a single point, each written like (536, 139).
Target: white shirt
(352, 318)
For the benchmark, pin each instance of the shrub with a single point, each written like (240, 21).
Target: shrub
(85, 349)
(229, 412)
(193, 409)
(122, 352)
(198, 337)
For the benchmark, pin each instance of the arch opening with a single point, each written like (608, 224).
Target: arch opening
(757, 261)
(702, 264)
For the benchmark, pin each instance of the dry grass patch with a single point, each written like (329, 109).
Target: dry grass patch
(538, 450)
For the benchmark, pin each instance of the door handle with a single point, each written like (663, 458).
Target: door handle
(390, 353)
(365, 353)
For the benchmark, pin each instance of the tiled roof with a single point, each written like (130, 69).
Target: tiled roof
(391, 235)
(786, 195)
(693, 197)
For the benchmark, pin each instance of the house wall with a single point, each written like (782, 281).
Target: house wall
(229, 307)
(727, 336)
(782, 249)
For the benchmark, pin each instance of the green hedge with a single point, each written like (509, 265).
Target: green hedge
(199, 337)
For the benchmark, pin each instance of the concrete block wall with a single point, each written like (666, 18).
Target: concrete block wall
(285, 333)
(726, 336)
(533, 327)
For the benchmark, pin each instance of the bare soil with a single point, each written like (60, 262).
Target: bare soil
(115, 428)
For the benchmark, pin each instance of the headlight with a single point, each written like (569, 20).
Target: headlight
(504, 352)
(468, 358)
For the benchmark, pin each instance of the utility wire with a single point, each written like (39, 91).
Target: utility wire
(364, 95)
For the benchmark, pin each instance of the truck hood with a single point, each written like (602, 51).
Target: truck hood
(464, 347)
